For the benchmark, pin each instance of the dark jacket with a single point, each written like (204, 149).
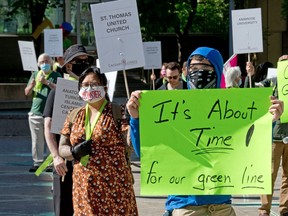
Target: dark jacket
(164, 86)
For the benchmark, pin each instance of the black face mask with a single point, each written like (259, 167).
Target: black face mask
(201, 79)
(78, 68)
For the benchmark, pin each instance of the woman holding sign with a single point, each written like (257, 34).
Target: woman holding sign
(205, 66)
(102, 179)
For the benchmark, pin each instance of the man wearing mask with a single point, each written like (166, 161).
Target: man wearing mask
(39, 84)
(205, 66)
(76, 60)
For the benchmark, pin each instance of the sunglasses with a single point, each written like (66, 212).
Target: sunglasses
(80, 61)
(200, 66)
(172, 77)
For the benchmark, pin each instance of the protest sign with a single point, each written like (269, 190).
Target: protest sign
(205, 142)
(247, 31)
(282, 85)
(111, 80)
(272, 72)
(66, 98)
(28, 55)
(152, 54)
(53, 42)
(118, 35)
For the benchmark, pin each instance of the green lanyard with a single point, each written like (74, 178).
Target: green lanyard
(89, 128)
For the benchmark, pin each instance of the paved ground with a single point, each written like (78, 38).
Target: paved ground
(24, 194)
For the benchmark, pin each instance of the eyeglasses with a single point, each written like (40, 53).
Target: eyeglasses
(200, 66)
(80, 61)
(172, 77)
(91, 84)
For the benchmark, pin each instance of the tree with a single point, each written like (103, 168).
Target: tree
(36, 9)
(182, 17)
(284, 11)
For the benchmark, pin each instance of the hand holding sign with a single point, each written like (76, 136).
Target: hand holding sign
(204, 135)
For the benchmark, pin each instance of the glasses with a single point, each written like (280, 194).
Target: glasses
(91, 84)
(200, 66)
(80, 61)
(172, 77)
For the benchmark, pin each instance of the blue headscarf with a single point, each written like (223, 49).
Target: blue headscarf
(214, 57)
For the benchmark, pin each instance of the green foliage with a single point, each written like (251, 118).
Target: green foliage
(35, 8)
(212, 16)
(284, 11)
(182, 16)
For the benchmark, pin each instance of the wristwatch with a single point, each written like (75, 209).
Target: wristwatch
(48, 83)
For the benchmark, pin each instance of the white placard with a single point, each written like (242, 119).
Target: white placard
(118, 36)
(247, 31)
(111, 78)
(272, 72)
(28, 55)
(53, 42)
(66, 98)
(152, 54)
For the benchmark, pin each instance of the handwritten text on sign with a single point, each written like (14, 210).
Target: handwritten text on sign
(282, 80)
(205, 142)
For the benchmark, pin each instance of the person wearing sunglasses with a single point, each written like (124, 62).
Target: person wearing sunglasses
(173, 72)
(205, 67)
(76, 60)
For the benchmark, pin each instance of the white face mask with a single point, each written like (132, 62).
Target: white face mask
(92, 95)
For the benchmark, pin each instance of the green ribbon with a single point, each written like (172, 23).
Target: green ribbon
(44, 165)
(89, 128)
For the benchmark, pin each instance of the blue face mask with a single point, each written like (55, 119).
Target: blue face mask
(45, 67)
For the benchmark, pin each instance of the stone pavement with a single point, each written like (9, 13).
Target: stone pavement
(24, 194)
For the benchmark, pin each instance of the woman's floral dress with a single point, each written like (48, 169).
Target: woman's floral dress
(105, 185)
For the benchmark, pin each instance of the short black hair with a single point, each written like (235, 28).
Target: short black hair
(101, 76)
(95, 70)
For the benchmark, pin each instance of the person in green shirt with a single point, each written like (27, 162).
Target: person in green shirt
(39, 85)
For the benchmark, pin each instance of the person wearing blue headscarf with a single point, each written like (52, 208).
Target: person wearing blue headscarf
(204, 71)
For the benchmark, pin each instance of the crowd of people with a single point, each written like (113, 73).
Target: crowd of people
(91, 152)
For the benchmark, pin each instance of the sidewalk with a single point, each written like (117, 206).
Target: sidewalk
(24, 194)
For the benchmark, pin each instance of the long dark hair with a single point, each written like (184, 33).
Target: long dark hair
(101, 76)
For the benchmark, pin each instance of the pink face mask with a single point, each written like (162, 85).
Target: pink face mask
(92, 95)
(163, 72)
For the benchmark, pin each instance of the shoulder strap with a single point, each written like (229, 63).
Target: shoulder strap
(116, 112)
(73, 114)
(117, 116)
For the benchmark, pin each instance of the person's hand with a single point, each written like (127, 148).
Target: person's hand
(42, 79)
(133, 104)
(81, 149)
(250, 68)
(283, 57)
(33, 83)
(277, 108)
(152, 77)
(60, 166)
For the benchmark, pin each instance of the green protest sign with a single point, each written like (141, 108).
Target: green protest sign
(282, 82)
(205, 142)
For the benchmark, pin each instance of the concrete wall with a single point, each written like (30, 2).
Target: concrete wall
(273, 28)
(12, 96)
